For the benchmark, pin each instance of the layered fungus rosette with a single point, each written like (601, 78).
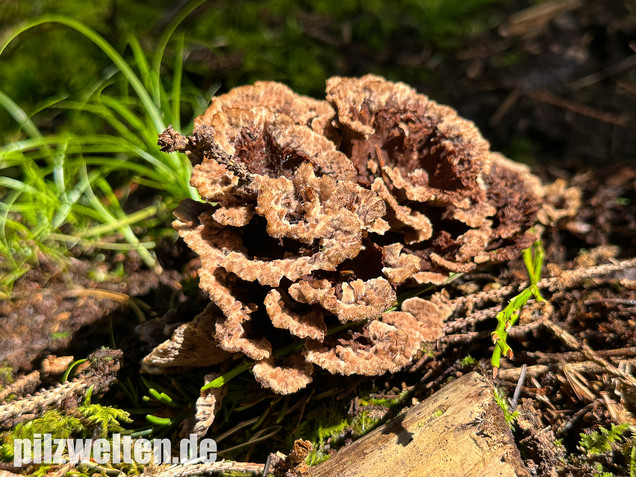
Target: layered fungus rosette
(316, 215)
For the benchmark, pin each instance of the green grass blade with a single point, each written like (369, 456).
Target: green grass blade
(107, 113)
(176, 83)
(222, 380)
(95, 140)
(127, 220)
(59, 173)
(107, 48)
(73, 240)
(19, 115)
(5, 208)
(163, 43)
(48, 103)
(140, 60)
(130, 118)
(15, 184)
(107, 217)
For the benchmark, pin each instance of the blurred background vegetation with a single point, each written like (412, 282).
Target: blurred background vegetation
(229, 43)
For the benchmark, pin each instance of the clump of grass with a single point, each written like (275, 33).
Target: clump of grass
(65, 190)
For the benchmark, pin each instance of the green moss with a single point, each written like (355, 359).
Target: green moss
(331, 428)
(601, 441)
(106, 419)
(609, 450)
(84, 422)
(6, 374)
(60, 426)
(468, 361)
(389, 403)
(600, 472)
(60, 335)
(364, 423)
(332, 425)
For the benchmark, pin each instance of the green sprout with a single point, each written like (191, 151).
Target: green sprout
(162, 401)
(533, 259)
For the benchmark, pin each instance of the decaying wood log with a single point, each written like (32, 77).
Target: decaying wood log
(458, 431)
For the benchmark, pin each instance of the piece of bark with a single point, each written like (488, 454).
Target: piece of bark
(458, 431)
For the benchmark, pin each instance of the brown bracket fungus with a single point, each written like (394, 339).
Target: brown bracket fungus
(320, 212)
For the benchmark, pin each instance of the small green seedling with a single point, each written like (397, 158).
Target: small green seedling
(159, 396)
(533, 259)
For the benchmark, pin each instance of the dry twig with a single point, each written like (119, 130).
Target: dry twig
(23, 385)
(575, 344)
(208, 468)
(100, 375)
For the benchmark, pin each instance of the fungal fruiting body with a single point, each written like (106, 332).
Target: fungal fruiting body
(316, 214)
